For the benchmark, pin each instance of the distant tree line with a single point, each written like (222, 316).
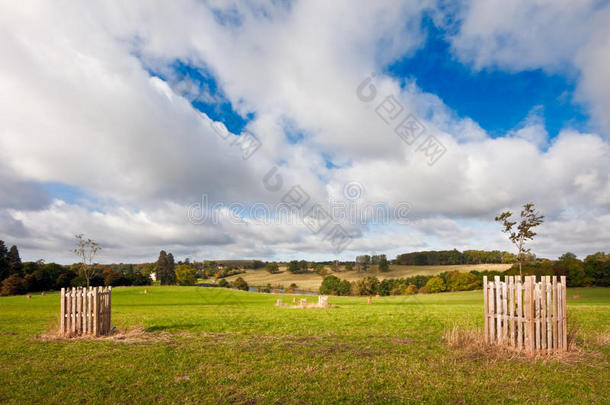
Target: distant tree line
(18, 278)
(453, 257)
(594, 270)
(447, 281)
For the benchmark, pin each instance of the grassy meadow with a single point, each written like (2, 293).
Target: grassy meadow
(213, 345)
(312, 281)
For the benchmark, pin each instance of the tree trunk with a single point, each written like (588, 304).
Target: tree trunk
(520, 272)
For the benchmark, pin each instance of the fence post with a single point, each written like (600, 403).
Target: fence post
(72, 311)
(554, 315)
(560, 315)
(564, 312)
(504, 291)
(62, 321)
(498, 309)
(95, 311)
(492, 312)
(83, 313)
(532, 314)
(519, 314)
(109, 308)
(485, 310)
(511, 308)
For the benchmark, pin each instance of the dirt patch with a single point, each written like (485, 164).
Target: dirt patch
(127, 336)
(402, 341)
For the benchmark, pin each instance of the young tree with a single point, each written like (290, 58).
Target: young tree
(272, 267)
(86, 251)
(384, 265)
(165, 268)
(185, 274)
(240, 284)
(14, 261)
(335, 266)
(4, 268)
(436, 284)
(530, 219)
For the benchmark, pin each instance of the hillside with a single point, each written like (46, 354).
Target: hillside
(312, 281)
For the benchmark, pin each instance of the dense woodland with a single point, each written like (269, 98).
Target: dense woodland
(448, 257)
(17, 277)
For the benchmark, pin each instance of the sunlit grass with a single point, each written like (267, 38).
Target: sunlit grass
(218, 345)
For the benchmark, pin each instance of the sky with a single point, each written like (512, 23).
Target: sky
(316, 130)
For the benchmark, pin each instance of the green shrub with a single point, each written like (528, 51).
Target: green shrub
(330, 285)
(411, 290)
(240, 284)
(457, 281)
(185, 274)
(13, 285)
(435, 285)
(272, 267)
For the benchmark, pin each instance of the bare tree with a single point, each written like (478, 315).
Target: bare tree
(86, 251)
(530, 218)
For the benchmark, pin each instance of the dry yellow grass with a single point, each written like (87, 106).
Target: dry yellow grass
(312, 281)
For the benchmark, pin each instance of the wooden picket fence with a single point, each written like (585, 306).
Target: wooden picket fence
(85, 311)
(529, 316)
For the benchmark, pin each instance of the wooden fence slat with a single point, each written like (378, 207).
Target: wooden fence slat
(538, 316)
(88, 314)
(511, 308)
(109, 307)
(485, 311)
(83, 317)
(559, 317)
(73, 311)
(498, 290)
(530, 314)
(564, 312)
(95, 311)
(505, 310)
(549, 314)
(554, 315)
(526, 313)
(519, 314)
(69, 311)
(492, 311)
(543, 313)
(62, 311)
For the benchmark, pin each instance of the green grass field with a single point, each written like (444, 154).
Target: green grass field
(312, 281)
(206, 345)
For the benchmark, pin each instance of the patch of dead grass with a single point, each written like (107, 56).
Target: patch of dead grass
(469, 344)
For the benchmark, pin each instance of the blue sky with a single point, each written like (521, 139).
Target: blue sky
(498, 100)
